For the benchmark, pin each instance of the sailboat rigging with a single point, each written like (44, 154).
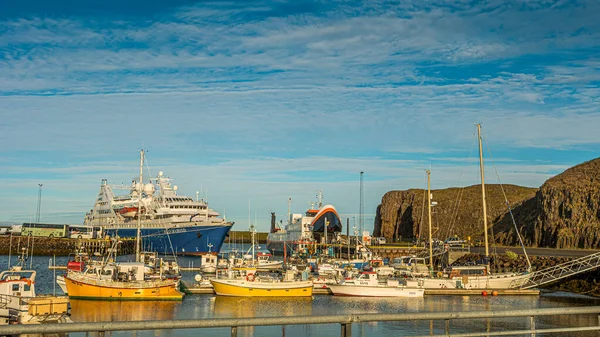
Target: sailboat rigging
(473, 277)
(148, 278)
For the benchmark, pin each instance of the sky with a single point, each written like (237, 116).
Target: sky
(250, 103)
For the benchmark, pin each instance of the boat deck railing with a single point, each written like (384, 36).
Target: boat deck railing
(531, 317)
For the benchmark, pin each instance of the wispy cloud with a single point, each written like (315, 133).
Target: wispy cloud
(266, 100)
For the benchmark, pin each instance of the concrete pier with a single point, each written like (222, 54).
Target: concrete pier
(43, 246)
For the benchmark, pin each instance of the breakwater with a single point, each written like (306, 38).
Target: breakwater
(246, 237)
(43, 246)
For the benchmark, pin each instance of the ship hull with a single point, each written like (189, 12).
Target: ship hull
(127, 292)
(191, 240)
(475, 282)
(241, 288)
(374, 291)
(278, 248)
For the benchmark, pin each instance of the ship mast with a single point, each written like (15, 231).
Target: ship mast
(429, 215)
(139, 212)
(485, 226)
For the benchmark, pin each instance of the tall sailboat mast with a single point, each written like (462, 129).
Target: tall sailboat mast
(139, 212)
(485, 225)
(429, 215)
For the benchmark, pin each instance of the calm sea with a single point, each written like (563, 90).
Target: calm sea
(209, 306)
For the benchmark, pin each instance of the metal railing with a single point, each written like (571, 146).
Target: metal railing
(563, 270)
(345, 322)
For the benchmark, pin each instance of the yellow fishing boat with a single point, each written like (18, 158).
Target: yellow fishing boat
(147, 279)
(259, 288)
(121, 282)
(242, 282)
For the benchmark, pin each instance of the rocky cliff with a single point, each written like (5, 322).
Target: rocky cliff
(563, 213)
(403, 214)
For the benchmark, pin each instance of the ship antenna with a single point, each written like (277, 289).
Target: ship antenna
(289, 211)
(320, 198)
(139, 212)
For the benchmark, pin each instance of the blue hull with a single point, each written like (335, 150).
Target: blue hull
(193, 240)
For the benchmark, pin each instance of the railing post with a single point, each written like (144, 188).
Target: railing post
(447, 326)
(532, 325)
(234, 331)
(346, 329)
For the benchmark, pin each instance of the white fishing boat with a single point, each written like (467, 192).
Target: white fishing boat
(19, 303)
(208, 263)
(264, 262)
(414, 265)
(368, 285)
(381, 268)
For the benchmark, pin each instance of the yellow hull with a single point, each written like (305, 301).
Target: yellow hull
(121, 291)
(241, 288)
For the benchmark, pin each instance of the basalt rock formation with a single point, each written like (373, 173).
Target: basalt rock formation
(459, 211)
(563, 213)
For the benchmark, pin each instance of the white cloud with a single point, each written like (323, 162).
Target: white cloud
(266, 106)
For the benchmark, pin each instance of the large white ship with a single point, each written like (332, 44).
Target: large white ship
(170, 223)
(302, 231)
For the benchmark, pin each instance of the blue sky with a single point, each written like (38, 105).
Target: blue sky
(265, 100)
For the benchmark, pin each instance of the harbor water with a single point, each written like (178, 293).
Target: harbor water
(211, 306)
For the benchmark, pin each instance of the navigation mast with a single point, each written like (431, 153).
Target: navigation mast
(485, 225)
(429, 215)
(139, 211)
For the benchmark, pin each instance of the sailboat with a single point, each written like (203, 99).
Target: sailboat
(472, 277)
(112, 280)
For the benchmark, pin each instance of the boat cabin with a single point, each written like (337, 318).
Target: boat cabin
(124, 272)
(208, 263)
(468, 271)
(262, 257)
(18, 283)
(365, 278)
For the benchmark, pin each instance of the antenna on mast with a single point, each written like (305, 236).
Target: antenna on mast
(320, 198)
(361, 210)
(139, 211)
(39, 204)
(289, 215)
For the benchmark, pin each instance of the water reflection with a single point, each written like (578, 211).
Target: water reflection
(226, 307)
(109, 311)
(209, 306)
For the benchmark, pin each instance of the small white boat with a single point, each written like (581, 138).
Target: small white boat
(208, 263)
(264, 262)
(417, 266)
(368, 285)
(20, 303)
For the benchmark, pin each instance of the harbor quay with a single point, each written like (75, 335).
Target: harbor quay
(45, 246)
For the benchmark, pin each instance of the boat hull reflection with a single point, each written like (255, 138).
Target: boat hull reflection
(108, 311)
(226, 307)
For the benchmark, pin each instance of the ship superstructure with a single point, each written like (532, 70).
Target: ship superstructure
(170, 223)
(302, 231)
